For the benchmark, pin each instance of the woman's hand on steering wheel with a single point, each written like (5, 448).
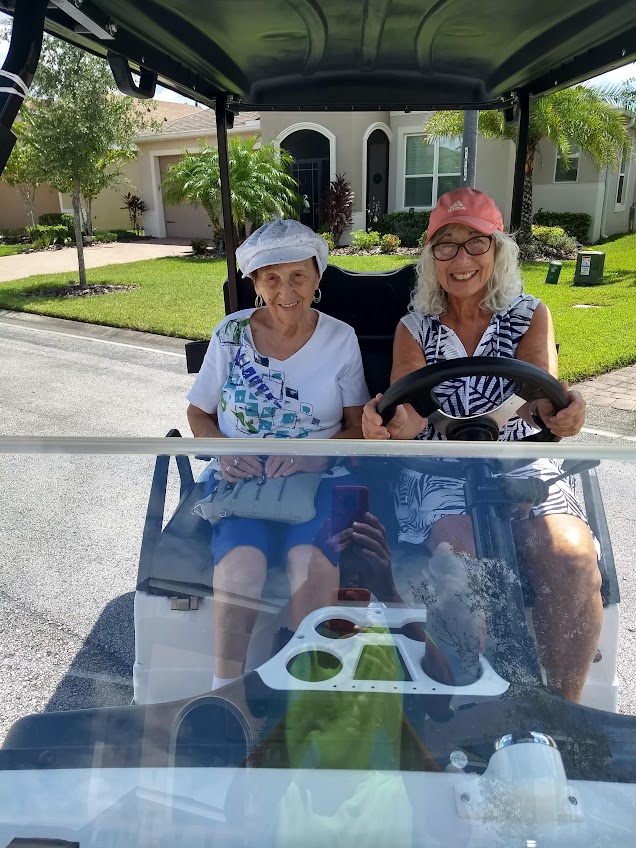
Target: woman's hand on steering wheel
(372, 426)
(568, 421)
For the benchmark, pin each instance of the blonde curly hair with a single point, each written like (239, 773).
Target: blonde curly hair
(429, 298)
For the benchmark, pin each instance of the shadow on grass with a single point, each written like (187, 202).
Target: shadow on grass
(610, 278)
(612, 238)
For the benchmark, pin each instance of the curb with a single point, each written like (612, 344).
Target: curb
(95, 332)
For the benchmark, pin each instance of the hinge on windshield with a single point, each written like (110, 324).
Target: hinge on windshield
(184, 604)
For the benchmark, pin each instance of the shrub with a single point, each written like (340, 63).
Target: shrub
(105, 236)
(363, 240)
(126, 235)
(48, 235)
(421, 242)
(558, 243)
(56, 219)
(576, 224)
(408, 226)
(17, 236)
(329, 239)
(199, 247)
(389, 243)
(337, 207)
(136, 208)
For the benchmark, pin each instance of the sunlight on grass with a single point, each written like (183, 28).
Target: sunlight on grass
(13, 249)
(179, 296)
(183, 296)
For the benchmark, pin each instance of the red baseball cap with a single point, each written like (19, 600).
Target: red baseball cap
(465, 206)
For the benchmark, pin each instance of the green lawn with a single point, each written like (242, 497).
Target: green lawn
(11, 249)
(182, 296)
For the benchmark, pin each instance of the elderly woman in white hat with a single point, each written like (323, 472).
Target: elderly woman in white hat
(279, 370)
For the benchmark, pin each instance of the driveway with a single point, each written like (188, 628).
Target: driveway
(115, 253)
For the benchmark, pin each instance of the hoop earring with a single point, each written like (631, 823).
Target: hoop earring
(317, 296)
(259, 302)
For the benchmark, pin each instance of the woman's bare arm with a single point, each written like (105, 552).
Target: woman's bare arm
(538, 347)
(408, 356)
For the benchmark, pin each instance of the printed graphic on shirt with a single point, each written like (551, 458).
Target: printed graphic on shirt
(258, 396)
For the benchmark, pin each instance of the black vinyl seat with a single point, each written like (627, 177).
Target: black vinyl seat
(372, 303)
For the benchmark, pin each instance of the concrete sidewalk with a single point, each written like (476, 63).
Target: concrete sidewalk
(115, 253)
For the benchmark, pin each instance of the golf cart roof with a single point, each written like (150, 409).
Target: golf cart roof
(366, 54)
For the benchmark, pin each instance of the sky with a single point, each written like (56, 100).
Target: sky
(612, 77)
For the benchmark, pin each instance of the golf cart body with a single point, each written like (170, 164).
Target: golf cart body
(400, 753)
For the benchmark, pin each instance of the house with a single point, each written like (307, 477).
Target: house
(381, 154)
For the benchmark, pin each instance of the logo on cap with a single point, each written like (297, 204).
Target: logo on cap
(456, 206)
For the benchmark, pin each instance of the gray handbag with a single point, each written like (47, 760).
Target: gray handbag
(287, 499)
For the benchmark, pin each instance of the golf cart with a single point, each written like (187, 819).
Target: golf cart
(376, 719)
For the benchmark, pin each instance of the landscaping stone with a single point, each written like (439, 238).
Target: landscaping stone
(73, 289)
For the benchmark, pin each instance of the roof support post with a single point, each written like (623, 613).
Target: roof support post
(19, 68)
(223, 119)
(469, 148)
(523, 102)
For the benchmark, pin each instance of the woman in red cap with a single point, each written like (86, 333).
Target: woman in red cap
(469, 301)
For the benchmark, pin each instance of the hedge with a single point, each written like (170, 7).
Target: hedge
(56, 219)
(575, 224)
(407, 226)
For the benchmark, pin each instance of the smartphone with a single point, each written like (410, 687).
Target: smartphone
(348, 504)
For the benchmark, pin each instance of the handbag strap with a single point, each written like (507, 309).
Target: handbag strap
(153, 524)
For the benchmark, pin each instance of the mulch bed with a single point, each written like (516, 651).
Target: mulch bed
(375, 251)
(73, 289)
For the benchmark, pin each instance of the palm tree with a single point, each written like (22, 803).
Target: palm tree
(577, 116)
(622, 95)
(261, 183)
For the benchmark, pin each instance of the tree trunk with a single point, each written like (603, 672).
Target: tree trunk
(27, 193)
(79, 242)
(525, 229)
(88, 215)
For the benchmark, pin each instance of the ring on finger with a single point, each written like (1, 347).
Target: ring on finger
(236, 462)
(291, 460)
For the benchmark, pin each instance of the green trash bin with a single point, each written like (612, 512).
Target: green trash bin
(589, 268)
(554, 270)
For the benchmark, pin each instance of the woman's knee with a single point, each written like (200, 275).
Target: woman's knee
(563, 544)
(241, 571)
(456, 530)
(305, 562)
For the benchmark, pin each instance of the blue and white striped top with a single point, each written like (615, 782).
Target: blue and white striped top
(475, 395)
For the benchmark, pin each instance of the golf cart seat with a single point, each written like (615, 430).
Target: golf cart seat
(372, 303)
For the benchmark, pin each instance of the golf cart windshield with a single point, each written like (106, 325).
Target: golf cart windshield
(393, 713)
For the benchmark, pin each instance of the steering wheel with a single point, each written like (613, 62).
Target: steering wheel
(418, 388)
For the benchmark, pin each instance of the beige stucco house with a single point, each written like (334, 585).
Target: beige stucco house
(381, 154)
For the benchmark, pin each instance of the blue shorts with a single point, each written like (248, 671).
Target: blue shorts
(275, 538)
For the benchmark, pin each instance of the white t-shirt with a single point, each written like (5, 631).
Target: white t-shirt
(299, 397)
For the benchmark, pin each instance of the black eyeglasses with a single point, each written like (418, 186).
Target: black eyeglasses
(476, 246)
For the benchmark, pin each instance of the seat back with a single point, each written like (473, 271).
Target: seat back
(372, 303)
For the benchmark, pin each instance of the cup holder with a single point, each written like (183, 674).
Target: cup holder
(314, 666)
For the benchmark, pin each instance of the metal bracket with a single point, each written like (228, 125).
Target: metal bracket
(184, 604)
(125, 83)
(511, 114)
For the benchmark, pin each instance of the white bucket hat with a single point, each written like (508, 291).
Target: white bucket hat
(281, 241)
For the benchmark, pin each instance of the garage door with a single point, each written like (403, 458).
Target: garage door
(184, 221)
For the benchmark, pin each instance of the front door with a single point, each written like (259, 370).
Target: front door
(310, 176)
